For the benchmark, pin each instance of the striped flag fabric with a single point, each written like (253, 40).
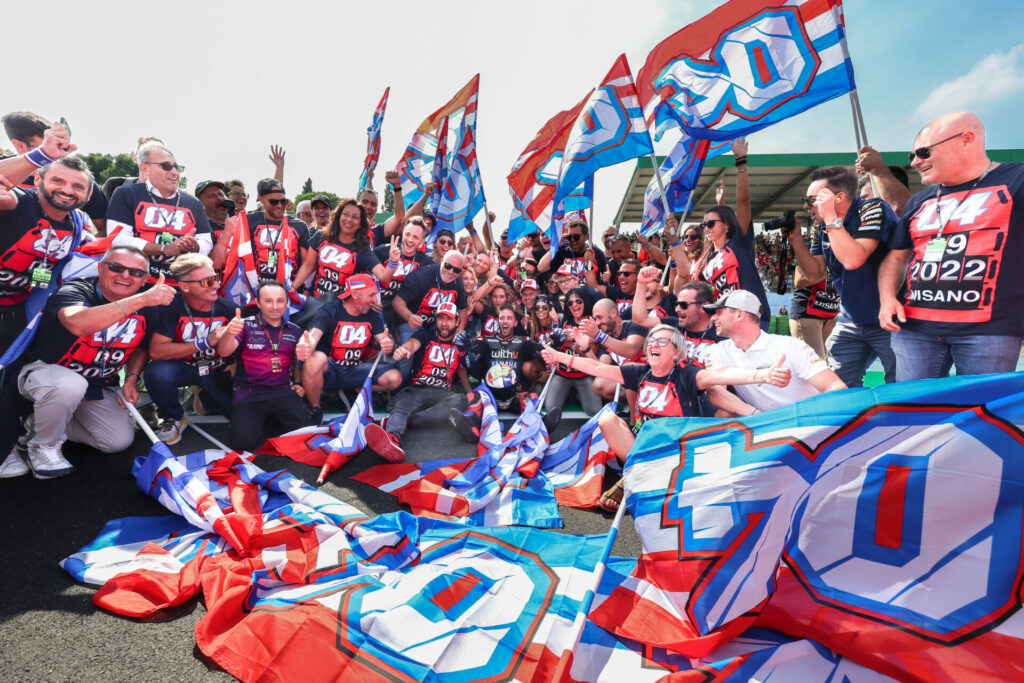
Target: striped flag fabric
(373, 140)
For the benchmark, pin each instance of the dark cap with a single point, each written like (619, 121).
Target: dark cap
(321, 199)
(268, 186)
(207, 183)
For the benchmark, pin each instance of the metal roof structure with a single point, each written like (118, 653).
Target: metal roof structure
(777, 181)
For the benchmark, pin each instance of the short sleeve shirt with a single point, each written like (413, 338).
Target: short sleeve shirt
(671, 396)
(29, 239)
(183, 324)
(405, 267)
(424, 291)
(337, 261)
(269, 236)
(347, 338)
(436, 361)
(263, 371)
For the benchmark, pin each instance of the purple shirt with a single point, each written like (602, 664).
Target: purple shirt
(262, 372)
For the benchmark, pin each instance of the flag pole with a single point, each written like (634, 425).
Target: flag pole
(487, 226)
(205, 434)
(326, 469)
(544, 391)
(661, 185)
(134, 412)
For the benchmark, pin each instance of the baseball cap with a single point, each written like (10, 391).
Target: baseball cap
(268, 185)
(527, 284)
(447, 309)
(356, 283)
(565, 269)
(207, 183)
(739, 299)
(321, 199)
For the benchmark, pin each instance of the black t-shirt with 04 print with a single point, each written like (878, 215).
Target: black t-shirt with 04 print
(424, 291)
(99, 356)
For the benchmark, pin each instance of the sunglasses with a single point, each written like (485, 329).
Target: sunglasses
(237, 193)
(574, 237)
(208, 281)
(710, 223)
(627, 273)
(575, 302)
(118, 268)
(277, 202)
(685, 304)
(926, 152)
(809, 201)
(454, 269)
(691, 237)
(543, 308)
(166, 165)
(659, 341)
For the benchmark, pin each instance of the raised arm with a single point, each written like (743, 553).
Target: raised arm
(591, 367)
(85, 320)
(890, 190)
(393, 225)
(739, 149)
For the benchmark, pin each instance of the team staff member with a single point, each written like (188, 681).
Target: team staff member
(158, 218)
(265, 346)
(664, 388)
(345, 332)
(436, 360)
(183, 350)
(964, 241)
(91, 328)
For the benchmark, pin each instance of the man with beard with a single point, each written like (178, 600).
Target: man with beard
(156, 217)
(616, 342)
(574, 253)
(183, 348)
(500, 360)
(625, 274)
(436, 360)
(424, 290)
(91, 329)
(413, 234)
(347, 335)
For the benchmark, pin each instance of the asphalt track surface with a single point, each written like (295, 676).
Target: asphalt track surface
(49, 628)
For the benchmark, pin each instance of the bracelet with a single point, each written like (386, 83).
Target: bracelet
(471, 231)
(121, 306)
(39, 158)
(676, 243)
(740, 161)
(202, 344)
(393, 264)
(396, 188)
(601, 337)
(671, 264)
(131, 374)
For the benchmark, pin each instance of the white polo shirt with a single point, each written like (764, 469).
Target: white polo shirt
(801, 360)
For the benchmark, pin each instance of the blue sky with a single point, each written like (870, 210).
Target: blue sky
(221, 82)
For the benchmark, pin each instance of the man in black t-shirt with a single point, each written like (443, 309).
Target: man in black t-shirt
(573, 252)
(614, 341)
(412, 258)
(91, 328)
(964, 241)
(691, 319)
(424, 290)
(183, 348)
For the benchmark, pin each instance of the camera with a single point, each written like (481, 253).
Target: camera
(230, 206)
(786, 221)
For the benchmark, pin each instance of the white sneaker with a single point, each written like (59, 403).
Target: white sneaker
(14, 465)
(169, 431)
(47, 461)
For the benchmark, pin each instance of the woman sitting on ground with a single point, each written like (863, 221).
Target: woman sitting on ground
(664, 389)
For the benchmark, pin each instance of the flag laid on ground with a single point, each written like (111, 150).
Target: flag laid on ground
(575, 464)
(886, 524)
(744, 66)
(373, 139)
(608, 130)
(331, 445)
(500, 486)
(415, 165)
(534, 176)
(322, 593)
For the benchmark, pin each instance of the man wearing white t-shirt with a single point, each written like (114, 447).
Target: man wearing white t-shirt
(737, 317)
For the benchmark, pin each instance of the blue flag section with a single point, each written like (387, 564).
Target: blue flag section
(373, 140)
(886, 524)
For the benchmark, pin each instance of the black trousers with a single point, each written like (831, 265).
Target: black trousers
(429, 404)
(253, 422)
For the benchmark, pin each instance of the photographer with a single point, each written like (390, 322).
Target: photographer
(850, 246)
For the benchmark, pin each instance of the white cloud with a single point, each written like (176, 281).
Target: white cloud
(997, 77)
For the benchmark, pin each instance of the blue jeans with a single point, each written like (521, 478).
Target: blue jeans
(164, 377)
(340, 376)
(852, 348)
(924, 356)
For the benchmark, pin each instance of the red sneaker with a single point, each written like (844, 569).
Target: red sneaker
(385, 444)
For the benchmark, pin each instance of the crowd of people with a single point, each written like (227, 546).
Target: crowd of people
(263, 311)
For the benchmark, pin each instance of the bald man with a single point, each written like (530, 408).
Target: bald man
(958, 245)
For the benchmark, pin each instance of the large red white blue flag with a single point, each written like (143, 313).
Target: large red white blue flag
(575, 464)
(744, 66)
(886, 524)
(680, 173)
(608, 130)
(373, 139)
(462, 193)
(415, 166)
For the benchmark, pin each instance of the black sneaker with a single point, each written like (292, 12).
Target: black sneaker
(552, 418)
(461, 424)
(316, 415)
(385, 444)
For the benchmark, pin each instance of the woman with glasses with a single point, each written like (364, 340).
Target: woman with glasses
(498, 294)
(731, 263)
(664, 388)
(572, 342)
(347, 249)
(543, 320)
(443, 243)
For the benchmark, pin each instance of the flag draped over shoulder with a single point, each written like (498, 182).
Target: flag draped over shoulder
(373, 139)
(886, 524)
(608, 130)
(320, 592)
(744, 66)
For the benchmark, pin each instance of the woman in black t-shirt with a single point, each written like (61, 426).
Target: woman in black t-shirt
(347, 249)
(664, 389)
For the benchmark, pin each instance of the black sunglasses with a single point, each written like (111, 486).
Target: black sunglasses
(208, 281)
(686, 304)
(926, 152)
(118, 268)
(167, 166)
(809, 201)
(691, 237)
(454, 269)
(710, 223)
(574, 237)
(542, 308)
(575, 302)
(627, 273)
(276, 202)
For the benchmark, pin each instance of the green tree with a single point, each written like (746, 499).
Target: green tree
(307, 186)
(105, 166)
(312, 193)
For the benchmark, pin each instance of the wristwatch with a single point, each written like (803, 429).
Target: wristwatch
(837, 223)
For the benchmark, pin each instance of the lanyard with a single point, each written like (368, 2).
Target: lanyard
(266, 331)
(172, 215)
(938, 197)
(188, 311)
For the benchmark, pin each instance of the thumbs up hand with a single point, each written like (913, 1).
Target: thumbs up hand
(236, 324)
(778, 375)
(304, 349)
